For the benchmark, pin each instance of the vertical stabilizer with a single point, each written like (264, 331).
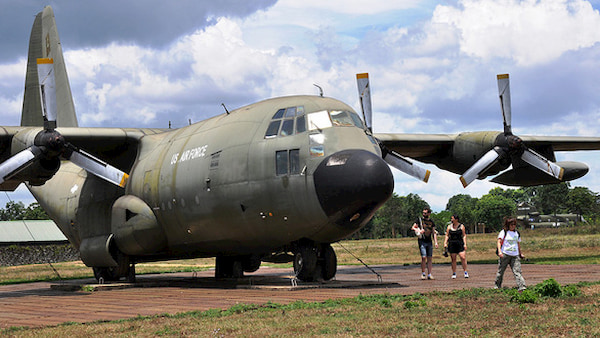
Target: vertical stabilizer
(44, 43)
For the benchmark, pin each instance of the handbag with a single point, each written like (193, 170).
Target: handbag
(419, 231)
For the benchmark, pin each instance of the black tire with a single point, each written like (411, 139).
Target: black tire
(108, 274)
(328, 262)
(305, 263)
(228, 267)
(251, 263)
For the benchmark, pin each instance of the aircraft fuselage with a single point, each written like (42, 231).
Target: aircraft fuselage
(236, 184)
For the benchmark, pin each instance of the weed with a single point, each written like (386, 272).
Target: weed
(549, 288)
(525, 296)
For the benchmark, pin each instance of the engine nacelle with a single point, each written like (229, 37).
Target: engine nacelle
(528, 176)
(135, 228)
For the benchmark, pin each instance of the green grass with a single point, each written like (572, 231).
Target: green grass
(546, 309)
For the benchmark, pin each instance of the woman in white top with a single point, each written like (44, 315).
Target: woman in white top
(509, 253)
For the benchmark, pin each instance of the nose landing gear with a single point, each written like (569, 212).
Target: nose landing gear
(314, 262)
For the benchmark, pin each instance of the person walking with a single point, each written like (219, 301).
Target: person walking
(509, 253)
(456, 244)
(424, 228)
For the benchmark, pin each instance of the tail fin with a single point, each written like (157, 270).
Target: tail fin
(44, 43)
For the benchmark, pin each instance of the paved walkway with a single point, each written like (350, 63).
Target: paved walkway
(41, 304)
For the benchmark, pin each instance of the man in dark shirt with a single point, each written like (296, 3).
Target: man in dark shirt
(425, 230)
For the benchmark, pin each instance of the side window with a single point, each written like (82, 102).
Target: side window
(295, 161)
(287, 162)
(281, 162)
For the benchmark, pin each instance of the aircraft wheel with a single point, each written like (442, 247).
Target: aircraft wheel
(228, 267)
(328, 262)
(305, 263)
(108, 274)
(251, 263)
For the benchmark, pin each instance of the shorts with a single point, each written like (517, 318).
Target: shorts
(426, 248)
(456, 247)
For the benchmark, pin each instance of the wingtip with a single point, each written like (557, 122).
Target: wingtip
(362, 76)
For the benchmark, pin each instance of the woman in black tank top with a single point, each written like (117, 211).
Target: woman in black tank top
(456, 244)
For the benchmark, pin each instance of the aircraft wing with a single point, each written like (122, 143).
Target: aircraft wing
(116, 146)
(417, 145)
(425, 145)
(563, 143)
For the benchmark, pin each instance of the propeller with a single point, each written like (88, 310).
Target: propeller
(391, 157)
(509, 146)
(50, 144)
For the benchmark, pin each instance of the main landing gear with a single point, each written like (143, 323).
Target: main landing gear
(235, 266)
(125, 268)
(314, 262)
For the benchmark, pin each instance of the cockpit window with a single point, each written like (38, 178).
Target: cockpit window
(300, 124)
(273, 129)
(357, 121)
(287, 128)
(282, 123)
(290, 112)
(279, 114)
(341, 118)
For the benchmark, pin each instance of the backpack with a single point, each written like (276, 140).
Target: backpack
(505, 232)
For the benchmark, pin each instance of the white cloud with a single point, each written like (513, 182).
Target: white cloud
(530, 32)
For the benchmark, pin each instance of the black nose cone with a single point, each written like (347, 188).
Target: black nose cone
(351, 185)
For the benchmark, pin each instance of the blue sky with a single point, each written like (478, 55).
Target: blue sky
(432, 65)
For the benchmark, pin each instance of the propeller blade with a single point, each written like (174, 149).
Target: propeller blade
(18, 162)
(364, 93)
(45, 69)
(504, 93)
(541, 163)
(99, 168)
(481, 166)
(403, 164)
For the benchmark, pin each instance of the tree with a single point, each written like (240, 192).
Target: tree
(491, 210)
(412, 208)
(463, 206)
(582, 201)
(550, 198)
(12, 211)
(517, 195)
(35, 211)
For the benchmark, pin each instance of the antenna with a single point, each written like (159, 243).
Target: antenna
(227, 111)
(320, 89)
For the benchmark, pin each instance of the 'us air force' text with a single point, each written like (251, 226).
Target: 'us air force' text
(189, 154)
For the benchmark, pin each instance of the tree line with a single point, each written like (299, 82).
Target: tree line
(18, 211)
(398, 214)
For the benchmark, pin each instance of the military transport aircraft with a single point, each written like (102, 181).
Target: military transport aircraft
(274, 181)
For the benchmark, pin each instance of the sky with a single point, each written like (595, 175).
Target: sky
(432, 65)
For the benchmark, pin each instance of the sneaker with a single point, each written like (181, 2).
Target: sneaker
(453, 276)
(429, 276)
(466, 274)
(423, 276)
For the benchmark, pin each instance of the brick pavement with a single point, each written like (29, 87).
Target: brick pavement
(40, 304)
